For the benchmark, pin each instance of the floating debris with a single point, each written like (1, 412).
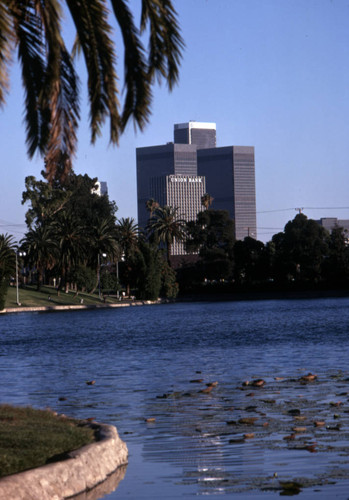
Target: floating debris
(294, 412)
(212, 384)
(299, 429)
(258, 383)
(319, 423)
(247, 420)
(308, 378)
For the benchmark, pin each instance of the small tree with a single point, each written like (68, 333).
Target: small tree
(169, 285)
(165, 226)
(7, 265)
(149, 271)
(212, 235)
(206, 200)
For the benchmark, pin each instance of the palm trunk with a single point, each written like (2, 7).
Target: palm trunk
(98, 271)
(168, 251)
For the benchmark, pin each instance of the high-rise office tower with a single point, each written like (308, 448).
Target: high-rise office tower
(230, 180)
(178, 174)
(199, 133)
(183, 192)
(169, 175)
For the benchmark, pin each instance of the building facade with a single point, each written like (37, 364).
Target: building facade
(199, 133)
(154, 164)
(331, 223)
(230, 180)
(178, 174)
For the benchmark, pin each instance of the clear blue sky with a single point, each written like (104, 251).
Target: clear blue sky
(273, 74)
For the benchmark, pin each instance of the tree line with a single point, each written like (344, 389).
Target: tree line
(303, 256)
(75, 241)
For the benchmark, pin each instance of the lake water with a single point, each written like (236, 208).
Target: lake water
(153, 361)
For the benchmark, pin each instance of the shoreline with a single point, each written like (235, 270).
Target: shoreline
(83, 470)
(77, 307)
(264, 295)
(209, 297)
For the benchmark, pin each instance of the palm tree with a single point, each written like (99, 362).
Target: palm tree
(50, 80)
(151, 205)
(73, 242)
(128, 232)
(7, 264)
(206, 200)
(42, 250)
(165, 226)
(103, 239)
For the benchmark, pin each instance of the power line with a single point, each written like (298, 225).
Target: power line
(276, 210)
(301, 209)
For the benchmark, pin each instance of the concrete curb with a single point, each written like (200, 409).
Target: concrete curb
(83, 470)
(77, 307)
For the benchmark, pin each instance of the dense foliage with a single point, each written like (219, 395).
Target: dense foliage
(303, 256)
(75, 241)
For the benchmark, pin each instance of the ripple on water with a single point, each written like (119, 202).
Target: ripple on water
(143, 361)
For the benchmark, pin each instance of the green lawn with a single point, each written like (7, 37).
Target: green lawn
(30, 438)
(30, 297)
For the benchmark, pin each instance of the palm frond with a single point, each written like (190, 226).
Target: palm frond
(93, 31)
(137, 84)
(31, 53)
(165, 41)
(64, 104)
(49, 13)
(6, 45)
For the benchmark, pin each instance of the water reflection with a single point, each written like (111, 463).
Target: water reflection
(103, 489)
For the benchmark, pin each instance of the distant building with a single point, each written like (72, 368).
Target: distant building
(184, 192)
(330, 223)
(178, 174)
(199, 133)
(101, 188)
(230, 180)
(154, 164)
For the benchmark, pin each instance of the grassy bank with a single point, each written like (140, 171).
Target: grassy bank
(47, 296)
(30, 438)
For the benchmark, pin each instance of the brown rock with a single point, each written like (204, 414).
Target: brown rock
(308, 378)
(249, 435)
(247, 420)
(291, 437)
(212, 384)
(258, 383)
(207, 390)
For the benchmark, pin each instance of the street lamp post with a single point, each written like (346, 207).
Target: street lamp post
(117, 279)
(21, 254)
(117, 274)
(99, 274)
